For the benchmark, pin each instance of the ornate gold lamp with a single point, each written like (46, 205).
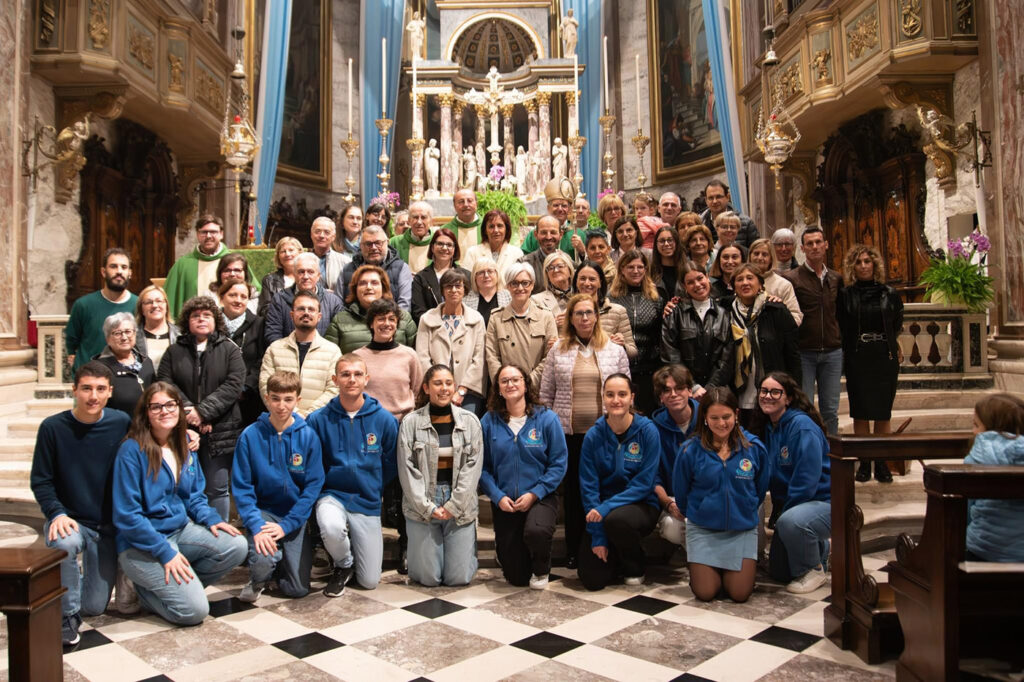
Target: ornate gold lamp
(238, 139)
(777, 134)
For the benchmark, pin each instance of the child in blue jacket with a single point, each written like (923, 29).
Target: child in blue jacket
(676, 421)
(719, 481)
(801, 484)
(525, 458)
(170, 542)
(275, 480)
(618, 464)
(358, 439)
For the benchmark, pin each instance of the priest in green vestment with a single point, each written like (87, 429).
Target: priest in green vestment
(466, 223)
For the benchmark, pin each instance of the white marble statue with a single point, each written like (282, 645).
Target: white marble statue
(432, 164)
(559, 157)
(455, 165)
(469, 169)
(568, 29)
(416, 29)
(509, 158)
(522, 171)
(536, 164)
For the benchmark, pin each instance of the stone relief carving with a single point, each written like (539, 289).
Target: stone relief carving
(790, 81)
(822, 70)
(910, 18)
(99, 27)
(209, 90)
(176, 73)
(140, 46)
(862, 35)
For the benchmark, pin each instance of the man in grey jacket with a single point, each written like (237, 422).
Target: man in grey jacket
(374, 250)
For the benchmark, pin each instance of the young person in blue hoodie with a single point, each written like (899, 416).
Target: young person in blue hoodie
(358, 439)
(801, 484)
(618, 466)
(275, 480)
(170, 542)
(676, 421)
(525, 458)
(720, 479)
(995, 528)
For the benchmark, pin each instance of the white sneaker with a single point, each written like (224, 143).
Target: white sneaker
(808, 582)
(538, 582)
(251, 592)
(126, 599)
(633, 580)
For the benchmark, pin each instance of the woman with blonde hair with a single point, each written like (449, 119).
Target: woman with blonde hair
(870, 318)
(488, 292)
(285, 251)
(154, 332)
(776, 285)
(575, 369)
(558, 274)
(610, 209)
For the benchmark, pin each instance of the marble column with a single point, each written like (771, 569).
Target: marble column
(574, 162)
(417, 114)
(481, 139)
(544, 135)
(415, 145)
(447, 174)
(458, 106)
(507, 140)
(532, 138)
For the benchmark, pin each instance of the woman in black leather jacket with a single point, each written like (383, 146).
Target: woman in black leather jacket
(698, 333)
(870, 318)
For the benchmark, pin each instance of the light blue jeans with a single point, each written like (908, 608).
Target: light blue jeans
(824, 368)
(352, 539)
(441, 552)
(210, 557)
(801, 540)
(88, 590)
(292, 562)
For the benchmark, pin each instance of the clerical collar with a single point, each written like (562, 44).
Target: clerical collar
(475, 222)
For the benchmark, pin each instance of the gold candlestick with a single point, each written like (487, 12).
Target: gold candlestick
(384, 126)
(351, 146)
(576, 143)
(607, 122)
(640, 141)
(415, 146)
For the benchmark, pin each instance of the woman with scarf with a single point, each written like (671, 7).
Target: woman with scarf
(766, 339)
(351, 221)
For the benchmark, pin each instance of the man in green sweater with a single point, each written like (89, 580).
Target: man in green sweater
(84, 331)
(412, 244)
(466, 223)
(559, 193)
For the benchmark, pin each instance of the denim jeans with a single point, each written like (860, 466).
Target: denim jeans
(88, 590)
(824, 368)
(291, 563)
(351, 538)
(801, 541)
(210, 558)
(441, 552)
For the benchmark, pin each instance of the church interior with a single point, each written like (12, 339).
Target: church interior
(898, 124)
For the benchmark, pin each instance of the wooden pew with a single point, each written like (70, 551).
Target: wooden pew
(30, 592)
(862, 613)
(950, 608)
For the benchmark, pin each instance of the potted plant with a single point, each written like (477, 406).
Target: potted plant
(499, 195)
(959, 276)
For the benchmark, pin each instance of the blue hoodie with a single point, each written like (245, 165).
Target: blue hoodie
(614, 474)
(532, 462)
(281, 474)
(358, 453)
(146, 511)
(801, 471)
(995, 528)
(721, 495)
(672, 438)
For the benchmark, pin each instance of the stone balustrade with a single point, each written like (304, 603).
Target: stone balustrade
(51, 353)
(944, 342)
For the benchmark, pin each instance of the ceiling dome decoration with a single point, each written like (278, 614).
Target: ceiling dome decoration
(493, 42)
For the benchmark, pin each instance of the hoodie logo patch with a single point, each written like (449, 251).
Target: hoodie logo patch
(296, 461)
(191, 465)
(532, 438)
(784, 455)
(633, 452)
(745, 469)
(371, 439)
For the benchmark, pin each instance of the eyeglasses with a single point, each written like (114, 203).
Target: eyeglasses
(510, 381)
(789, 244)
(666, 242)
(773, 393)
(238, 270)
(584, 314)
(453, 287)
(555, 266)
(209, 233)
(169, 406)
(674, 390)
(728, 228)
(375, 245)
(123, 333)
(447, 246)
(520, 284)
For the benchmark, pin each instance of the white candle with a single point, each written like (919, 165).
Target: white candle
(639, 124)
(607, 100)
(350, 97)
(384, 77)
(576, 90)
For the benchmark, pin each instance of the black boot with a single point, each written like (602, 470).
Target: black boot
(882, 473)
(863, 472)
(403, 562)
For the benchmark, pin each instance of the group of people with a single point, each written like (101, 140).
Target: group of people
(656, 374)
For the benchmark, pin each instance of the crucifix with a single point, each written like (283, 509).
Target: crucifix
(492, 100)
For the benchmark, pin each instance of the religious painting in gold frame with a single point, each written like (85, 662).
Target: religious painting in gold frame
(685, 142)
(305, 154)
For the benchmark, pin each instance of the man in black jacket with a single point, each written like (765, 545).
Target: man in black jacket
(374, 250)
(716, 193)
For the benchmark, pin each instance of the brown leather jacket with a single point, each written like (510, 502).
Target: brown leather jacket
(819, 330)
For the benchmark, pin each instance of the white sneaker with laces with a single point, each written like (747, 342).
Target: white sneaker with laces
(808, 582)
(538, 582)
(251, 592)
(633, 580)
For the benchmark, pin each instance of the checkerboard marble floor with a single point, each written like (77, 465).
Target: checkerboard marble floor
(487, 630)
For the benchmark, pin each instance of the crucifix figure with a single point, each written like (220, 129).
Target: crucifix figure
(490, 102)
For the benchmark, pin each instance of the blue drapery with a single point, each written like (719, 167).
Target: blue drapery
(381, 19)
(588, 47)
(273, 71)
(725, 93)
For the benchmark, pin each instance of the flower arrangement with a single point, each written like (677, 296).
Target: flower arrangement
(959, 276)
(390, 199)
(605, 192)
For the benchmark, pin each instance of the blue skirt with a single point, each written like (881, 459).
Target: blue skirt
(724, 549)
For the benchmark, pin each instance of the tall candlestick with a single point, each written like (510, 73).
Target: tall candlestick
(414, 76)
(639, 123)
(384, 77)
(576, 89)
(607, 100)
(350, 97)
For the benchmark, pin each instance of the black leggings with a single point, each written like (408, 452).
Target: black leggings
(522, 540)
(625, 527)
(572, 501)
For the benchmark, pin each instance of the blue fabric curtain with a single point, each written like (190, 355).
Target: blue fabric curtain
(274, 69)
(588, 47)
(381, 19)
(725, 92)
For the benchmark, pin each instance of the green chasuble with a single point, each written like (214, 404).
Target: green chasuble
(468, 234)
(183, 278)
(402, 242)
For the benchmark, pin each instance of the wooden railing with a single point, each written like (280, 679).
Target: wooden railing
(30, 592)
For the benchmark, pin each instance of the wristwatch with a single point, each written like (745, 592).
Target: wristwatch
(462, 392)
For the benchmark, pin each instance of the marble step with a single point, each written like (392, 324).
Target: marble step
(923, 399)
(44, 407)
(23, 427)
(15, 474)
(17, 449)
(19, 501)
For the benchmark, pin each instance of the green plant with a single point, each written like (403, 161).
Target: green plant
(594, 223)
(512, 205)
(960, 274)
